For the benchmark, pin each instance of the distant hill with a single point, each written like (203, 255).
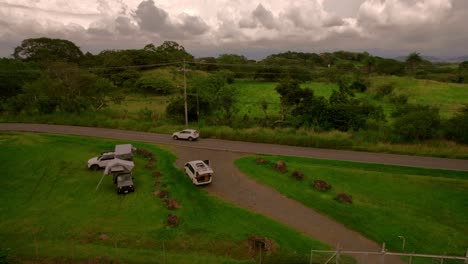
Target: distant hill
(437, 59)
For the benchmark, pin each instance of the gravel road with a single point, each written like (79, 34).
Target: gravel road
(230, 184)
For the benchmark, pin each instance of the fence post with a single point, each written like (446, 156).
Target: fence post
(311, 253)
(466, 255)
(383, 253)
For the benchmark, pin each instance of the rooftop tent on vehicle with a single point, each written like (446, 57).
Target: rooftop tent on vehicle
(119, 165)
(124, 151)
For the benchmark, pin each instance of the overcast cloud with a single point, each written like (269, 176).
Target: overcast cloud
(253, 28)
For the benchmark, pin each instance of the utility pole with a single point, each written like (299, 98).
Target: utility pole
(185, 98)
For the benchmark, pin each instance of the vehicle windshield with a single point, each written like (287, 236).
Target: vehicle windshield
(124, 177)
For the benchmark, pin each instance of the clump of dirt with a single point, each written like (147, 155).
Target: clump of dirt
(150, 166)
(321, 185)
(157, 174)
(344, 198)
(261, 243)
(171, 203)
(157, 183)
(261, 161)
(173, 220)
(145, 153)
(280, 166)
(298, 175)
(103, 237)
(161, 194)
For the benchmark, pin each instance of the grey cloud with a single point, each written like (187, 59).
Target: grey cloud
(193, 25)
(247, 23)
(151, 18)
(265, 17)
(36, 9)
(333, 21)
(294, 14)
(124, 25)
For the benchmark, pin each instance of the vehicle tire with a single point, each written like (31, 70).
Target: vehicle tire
(190, 139)
(175, 137)
(94, 167)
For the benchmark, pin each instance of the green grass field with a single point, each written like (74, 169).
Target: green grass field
(427, 207)
(50, 210)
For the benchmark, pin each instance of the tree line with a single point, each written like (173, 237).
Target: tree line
(54, 75)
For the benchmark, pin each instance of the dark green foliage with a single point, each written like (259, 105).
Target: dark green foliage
(207, 95)
(389, 67)
(457, 126)
(66, 88)
(46, 49)
(416, 122)
(400, 99)
(171, 51)
(155, 85)
(14, 74)
(412, 61)
(383, 90)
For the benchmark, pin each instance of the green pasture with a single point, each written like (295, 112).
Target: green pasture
(51, 210)
(427, 207)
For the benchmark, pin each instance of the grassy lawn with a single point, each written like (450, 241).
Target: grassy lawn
(449, 97)
(51, 210)
(427, 207)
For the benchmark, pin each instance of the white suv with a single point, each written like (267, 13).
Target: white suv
(199, 171)
(101, 161)
(189, 134)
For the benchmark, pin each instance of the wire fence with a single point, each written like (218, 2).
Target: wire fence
(340, 256)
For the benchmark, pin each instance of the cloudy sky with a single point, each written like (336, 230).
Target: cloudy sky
(253, 28)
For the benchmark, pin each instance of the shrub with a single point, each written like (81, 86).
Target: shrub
(456, 127)
(416, 122)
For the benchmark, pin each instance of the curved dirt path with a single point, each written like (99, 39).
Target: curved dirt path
(233, 186)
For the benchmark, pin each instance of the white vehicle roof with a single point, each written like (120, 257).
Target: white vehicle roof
(201, 167)
(118, 165)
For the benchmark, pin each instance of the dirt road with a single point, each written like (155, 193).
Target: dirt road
(233, 186)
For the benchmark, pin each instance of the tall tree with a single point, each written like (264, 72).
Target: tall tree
(413, 60)
(46, 49)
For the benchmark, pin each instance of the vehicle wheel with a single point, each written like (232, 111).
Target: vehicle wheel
(94, 167)
(175, 137)
(190, 139)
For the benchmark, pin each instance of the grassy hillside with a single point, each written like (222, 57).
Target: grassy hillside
(51, 210)
(427, 207)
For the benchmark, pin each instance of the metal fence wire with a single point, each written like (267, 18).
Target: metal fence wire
(340, 256)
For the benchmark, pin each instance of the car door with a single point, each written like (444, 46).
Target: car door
(189, 170)
(105, 159)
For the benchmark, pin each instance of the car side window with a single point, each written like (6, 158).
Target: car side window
(107, 157)
(190, 168)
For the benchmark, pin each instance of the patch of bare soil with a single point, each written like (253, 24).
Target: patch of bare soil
(173, 220)
(298, 175)
(280, 166)
(344, 198)
(322, 185)
(260, 243)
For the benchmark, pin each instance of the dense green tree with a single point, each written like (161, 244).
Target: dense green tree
(155, 85)
(416, 122)
(14, 74)
(171, 51)
(412, 61)
(65, 87)
(46, 49)
(457, 127)
(389, 67)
